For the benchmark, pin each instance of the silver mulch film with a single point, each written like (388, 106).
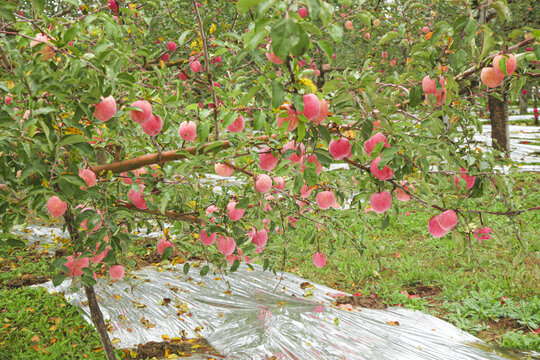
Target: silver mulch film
(256, 315)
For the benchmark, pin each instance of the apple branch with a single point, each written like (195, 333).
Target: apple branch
(477, 67)
(166, 156)
(208, 72)
(188, 217)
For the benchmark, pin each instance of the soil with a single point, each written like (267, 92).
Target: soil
(25, 280)
(161, 350)
(504, 325)
(424, 290)
(362, 301)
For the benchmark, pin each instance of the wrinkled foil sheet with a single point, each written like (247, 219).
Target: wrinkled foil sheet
(254, 314)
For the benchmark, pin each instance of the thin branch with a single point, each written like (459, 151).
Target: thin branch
(477, 67)
(166, 156)
(208, 72)
(188, 217)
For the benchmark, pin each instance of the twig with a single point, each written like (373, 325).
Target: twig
(208, 72)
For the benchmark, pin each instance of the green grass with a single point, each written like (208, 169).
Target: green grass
(404, 257)
(38, 325)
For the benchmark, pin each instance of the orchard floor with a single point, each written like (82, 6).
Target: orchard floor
(496, 298)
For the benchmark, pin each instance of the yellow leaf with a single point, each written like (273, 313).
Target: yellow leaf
(212, 28)
(10, 84)
(73, 130)
(165, 337)
(115, 340)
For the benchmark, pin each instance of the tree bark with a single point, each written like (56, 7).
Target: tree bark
(523, 103)
(95, 311)
(99, 322)
(535, 97)
(498, 114)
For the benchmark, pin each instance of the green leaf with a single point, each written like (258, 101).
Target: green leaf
(243, 5)
(186, 268)
(337, 32)
(203, 130)
(214, 147)
(72, 139)
(45, 110)
(235, 265)
(301, 131)
(502, 9)
(536, 50)
(326, 47)
(182, 37)
(303, 42)
(204, 270)
(415, 98)
(310, 175)
(7, 9)
(12, 242)
(266, 264)
(285, 36)
(488, 41)
(102, 46)
(470, 30)
(166, 253)
(288, 153)
(323, 156)
(243, 203)
(278, 94)
(249, 95)
(58, 279)
(71, 33)
(388, 36)
(502, 65)
(516, 86)
(457, 59)
(73, 2)
(298, 183)
(385, 222)
(39, 5)
(324, 132)
(259, 121)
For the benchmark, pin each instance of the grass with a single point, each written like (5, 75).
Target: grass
(35, 324)
(402, 265)
(496, 298)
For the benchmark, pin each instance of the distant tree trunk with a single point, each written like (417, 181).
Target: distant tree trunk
(498, 114)
(535, 97)
(523, 103)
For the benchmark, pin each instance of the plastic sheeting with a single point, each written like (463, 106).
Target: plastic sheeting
(256, 315)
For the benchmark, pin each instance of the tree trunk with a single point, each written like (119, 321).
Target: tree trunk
(97, 319)
(498, 114)
(523, 103)
(535, 97)
(95, 311)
